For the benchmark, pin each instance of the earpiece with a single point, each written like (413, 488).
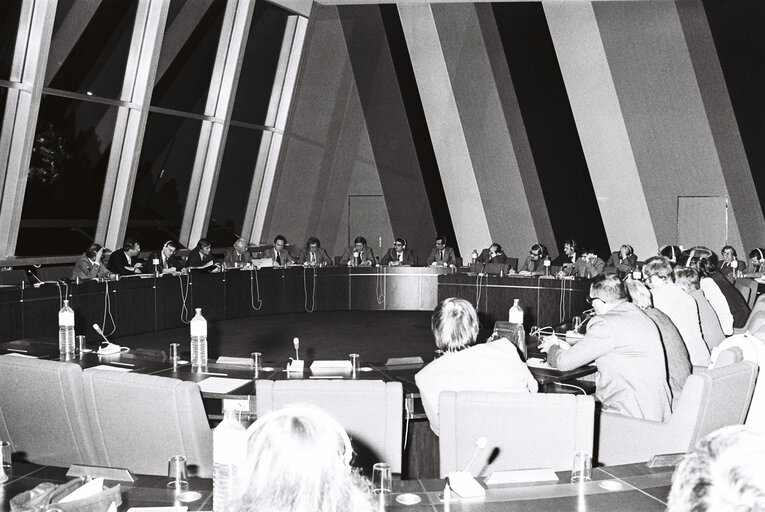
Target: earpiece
(762, 258)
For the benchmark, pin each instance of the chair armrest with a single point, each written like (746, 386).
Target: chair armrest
(624, 439)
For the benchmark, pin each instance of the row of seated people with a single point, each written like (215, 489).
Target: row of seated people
(645, 337)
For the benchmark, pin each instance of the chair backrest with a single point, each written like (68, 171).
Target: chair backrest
(143, 420)
(44, 413)
(714, 399)
(731, 355)
(370, 411)
(529, 430)
(742, 285)
(757, 315)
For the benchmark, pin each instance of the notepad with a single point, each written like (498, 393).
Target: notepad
(236, 361)
(520, 476)
(342, 364)
(220, 384)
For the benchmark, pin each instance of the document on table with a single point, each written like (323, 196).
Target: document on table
(108, 367)
(521, 475)
(220, 384)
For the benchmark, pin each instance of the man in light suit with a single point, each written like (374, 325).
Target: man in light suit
(399, 255)
(358, 255)
(441, 254)
(279, 253)
(239, 254)
(313, 255)
(626, 347)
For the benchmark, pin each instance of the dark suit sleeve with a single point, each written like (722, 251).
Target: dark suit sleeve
(386, 259)
(410, 258)
(194, 259)
(432, 256)
(484, 257)
(325, 258)
(451, 258)
(117, 263)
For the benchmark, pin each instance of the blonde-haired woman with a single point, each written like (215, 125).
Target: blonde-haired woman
(298, 460)
(465, 366)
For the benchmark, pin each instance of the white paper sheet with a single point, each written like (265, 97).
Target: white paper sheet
(220, 384)
(522, 475)
(108, 367)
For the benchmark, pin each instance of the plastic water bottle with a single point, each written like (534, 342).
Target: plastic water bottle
(546, 264)
(229, 450)
(517, 332)
(474, 256)
(66, 330)
(198, 339)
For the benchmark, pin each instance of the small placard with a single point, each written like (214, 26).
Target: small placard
(113, 474)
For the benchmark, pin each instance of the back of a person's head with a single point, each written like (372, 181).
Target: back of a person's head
(298, 460)
(608, 288)
(638, 293)
(671, 252)
(724, 473)
(659, 266)
(687, 278)
(454, 324)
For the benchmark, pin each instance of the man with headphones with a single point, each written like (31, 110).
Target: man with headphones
(622, 261)
(399, 255)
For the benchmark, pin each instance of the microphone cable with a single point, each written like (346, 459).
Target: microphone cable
(380, 279)
(108, 309)
(305, 291)
(184, 297)
(257, 288)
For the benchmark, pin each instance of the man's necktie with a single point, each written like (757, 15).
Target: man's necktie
(278, 259)
(441, 256)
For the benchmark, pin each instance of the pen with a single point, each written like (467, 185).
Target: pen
(213, 373)
(447, 496)
(123, 364)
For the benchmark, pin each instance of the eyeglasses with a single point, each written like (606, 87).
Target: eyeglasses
(535, 254)
(398, 245)
(590, 300)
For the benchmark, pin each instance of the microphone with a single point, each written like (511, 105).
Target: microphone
(480, 444)
(99, 331)
(296, 344)
(39, 282)
(462, 482)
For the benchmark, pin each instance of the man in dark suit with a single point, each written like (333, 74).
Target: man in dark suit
(493, 254)
(200, 258)
(313, 255)
(124, 261)
(399, 255)
(279, 253)
(441, 254)
(358, 255)
(165, 259)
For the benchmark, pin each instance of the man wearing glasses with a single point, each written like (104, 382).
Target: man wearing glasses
(626, 347)
(534, 264)
(441, 254)
(399, 255)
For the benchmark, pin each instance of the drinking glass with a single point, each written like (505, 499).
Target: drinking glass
(5, 450)
(175, 353)
(381, 478)
(354, 358)
(176, 472)
(582, 468)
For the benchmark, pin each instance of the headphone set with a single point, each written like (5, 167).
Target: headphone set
(759, 251)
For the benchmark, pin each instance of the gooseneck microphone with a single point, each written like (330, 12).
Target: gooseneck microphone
(296, 344)
(480, 444)
(99, 331)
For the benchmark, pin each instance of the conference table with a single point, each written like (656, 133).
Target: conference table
(630, 487)
(145, 303)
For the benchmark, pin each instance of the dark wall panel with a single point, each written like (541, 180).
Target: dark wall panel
(738, 33)
(418, 125)
(550, 124)
(389, 132)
